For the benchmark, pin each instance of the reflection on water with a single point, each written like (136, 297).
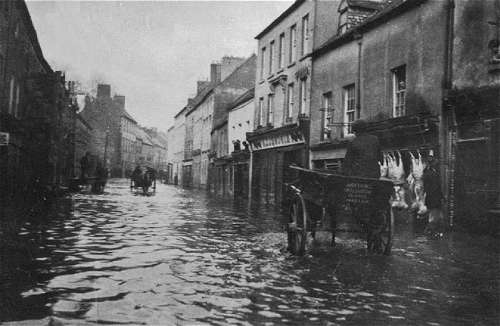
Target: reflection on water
(179, 257)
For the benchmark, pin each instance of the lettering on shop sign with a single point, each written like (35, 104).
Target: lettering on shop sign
(358, 193)
(276, 141)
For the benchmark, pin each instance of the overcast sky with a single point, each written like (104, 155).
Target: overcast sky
(151, 52)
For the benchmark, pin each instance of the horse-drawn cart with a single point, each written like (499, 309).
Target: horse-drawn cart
(143, 180)
(320, 199)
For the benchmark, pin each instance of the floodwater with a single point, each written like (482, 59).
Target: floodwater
(180, 257)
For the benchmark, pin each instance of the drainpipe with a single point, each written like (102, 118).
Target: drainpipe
(447, 121)
(250, 174)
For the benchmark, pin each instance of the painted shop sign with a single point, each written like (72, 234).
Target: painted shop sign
(277, 141)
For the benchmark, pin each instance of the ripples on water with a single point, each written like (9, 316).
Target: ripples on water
(181, 258)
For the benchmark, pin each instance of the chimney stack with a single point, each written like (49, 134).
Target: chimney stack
(119, 101)
(215, 73)
(103, 91)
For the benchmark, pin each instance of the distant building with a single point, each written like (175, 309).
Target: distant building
(83, 142)
(128, 143)
(177, 141)
(229, 90)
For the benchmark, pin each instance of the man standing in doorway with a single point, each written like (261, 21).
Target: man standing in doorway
(363, 153)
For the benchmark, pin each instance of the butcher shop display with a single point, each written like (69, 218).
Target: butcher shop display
(408, 188)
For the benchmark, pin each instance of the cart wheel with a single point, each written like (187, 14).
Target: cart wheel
(380, 238)
(297, 232)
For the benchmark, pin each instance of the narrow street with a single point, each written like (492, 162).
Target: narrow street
(179, 257)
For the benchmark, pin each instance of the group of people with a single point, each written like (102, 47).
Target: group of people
(100, 173)
(362, 159)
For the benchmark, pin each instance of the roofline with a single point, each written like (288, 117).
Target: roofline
(31, 31)
(203, 98)
(215, 86)
(180, 112)
(248, 96)
(280, 18)
(220, 125)
(367, 25)
(128, 116)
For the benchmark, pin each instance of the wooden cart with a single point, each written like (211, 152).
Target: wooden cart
(319, 199)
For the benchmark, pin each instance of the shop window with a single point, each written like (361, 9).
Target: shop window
(281, 58)
(349, 108)
(399, 91)
(293, 44)
(326, 116)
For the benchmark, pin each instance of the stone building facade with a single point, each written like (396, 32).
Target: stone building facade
(282, 88)
(229, 90)
(37, 111)
(402, 70)
(239, 123)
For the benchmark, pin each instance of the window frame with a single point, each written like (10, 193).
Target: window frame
(281, 56)
(398, 94)
(305, 35)
(262, 61)
(12, 84)
(292, 57)
(290, 100)
(302, 95)
(349, 107)
(327, 103)
(261, 112)
(271, 55)
(270, 109)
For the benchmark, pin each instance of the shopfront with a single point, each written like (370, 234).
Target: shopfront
(272, 153)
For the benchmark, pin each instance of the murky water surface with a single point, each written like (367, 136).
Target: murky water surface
(182, 258)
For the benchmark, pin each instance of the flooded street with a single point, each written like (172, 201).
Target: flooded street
(180, 257)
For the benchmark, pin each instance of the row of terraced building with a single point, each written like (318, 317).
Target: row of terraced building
(425, 75)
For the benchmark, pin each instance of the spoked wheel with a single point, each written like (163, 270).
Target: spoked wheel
(297, 227)
(380, 237)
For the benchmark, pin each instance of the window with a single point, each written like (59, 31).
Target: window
(302, 96)
(271, 55)
(262, 62)
(289, 113)
(16, 105)
(11, 94)
(349, 108)
(305, 34)
(327, 116)
(399, 91)
(281, 57)
(261, 111)
(270, 108)
(293, 43)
